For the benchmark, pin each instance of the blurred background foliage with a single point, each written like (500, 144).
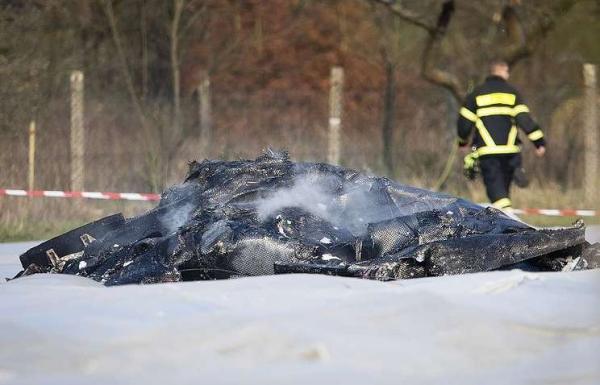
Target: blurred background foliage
(269, 64)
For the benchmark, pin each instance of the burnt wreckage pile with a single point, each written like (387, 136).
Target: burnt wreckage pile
(271, 216)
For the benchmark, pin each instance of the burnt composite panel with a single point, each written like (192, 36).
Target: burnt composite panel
(270, 215)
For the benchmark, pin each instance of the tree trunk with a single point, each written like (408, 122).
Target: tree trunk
(172, 138)
(174, 37)
(144, 43)
(389, 110)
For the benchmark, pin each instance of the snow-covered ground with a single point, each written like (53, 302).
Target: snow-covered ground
(492, 328)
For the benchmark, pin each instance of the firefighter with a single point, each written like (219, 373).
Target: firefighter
(495, 109)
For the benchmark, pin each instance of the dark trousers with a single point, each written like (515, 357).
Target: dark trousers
(497, 172)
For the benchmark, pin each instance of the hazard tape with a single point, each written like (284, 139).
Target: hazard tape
(558, 212)
(156, 197)
(81, 194)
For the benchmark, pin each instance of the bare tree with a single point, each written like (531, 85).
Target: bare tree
(187, 21)
(518, 40)
(150, 135)
(387, 54)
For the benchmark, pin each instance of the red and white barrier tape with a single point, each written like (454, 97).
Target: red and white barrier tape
(558, 212)
(156, 197)
(81, 194)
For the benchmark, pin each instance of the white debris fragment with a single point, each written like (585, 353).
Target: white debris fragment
(328, 257)
(127, 263)
(70, 257)
(82, 265)
(575, 264)
(281, 230)
(325, 240)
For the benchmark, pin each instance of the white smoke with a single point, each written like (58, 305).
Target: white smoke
(352, 205)
(177, 217)
(308, 192)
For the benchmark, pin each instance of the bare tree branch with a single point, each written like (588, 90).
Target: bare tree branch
(112, 21)
(429, 71)
(150, 136)
(435, 34)
(521, 44)
(407, 15)
(193, 18)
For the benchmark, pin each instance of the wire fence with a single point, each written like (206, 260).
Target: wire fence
(117, 157)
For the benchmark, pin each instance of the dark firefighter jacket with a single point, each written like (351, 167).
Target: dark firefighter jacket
(495, 109)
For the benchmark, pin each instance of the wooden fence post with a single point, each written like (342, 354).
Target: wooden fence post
(335, 114)
(205, 110)
(590, 132)
(77, 131)
(31, 173)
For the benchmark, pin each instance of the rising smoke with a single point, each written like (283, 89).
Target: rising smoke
(176, 217)
(349, 205)
(307, 192)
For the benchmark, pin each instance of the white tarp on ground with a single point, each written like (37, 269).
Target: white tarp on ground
(493, 328)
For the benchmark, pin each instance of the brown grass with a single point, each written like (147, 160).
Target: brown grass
(42, 218)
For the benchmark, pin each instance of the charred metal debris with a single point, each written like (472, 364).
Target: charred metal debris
(274, 216)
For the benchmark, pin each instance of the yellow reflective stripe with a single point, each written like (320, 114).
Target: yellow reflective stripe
(512, 136)
(468, 114)
(496, 150)
(502, 203)
(495, 98)
(535, 135)
(485, 135)
(520, 108)
(487, 111)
